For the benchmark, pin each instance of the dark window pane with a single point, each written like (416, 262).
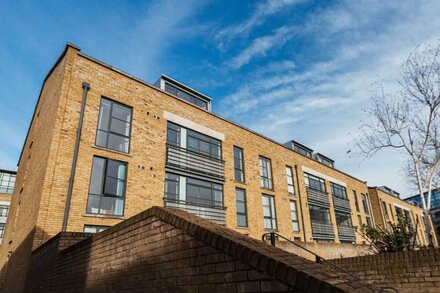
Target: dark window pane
(120, 127)
(118, 143)
(93, 204)
(116, 169)
(101, 138)
(121, 112)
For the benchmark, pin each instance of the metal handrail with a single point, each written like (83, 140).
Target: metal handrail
(318, 258)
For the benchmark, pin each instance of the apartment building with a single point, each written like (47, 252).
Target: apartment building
(434, 208)
(388, 208)
(104, 145)
(7, 182)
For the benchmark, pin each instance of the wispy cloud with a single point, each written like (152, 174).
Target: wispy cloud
(260, 46)
(259, 15)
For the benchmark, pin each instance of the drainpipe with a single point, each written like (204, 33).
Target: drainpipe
(86, 88)
(299, 198)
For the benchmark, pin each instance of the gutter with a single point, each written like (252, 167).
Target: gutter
(86, 88)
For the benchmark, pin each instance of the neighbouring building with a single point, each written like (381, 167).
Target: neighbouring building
(104, 145)
(7, 182)
(434, 209)
(388, 208)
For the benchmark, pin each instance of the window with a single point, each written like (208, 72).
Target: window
(365, 203)
(2, 230)
(94, 229)
(289, 174)
(4, 209)
(203, 144)
(302, 150)
(7, 182)
(204, 193)
(385, 211)
(114, 125)
(238, 164)
(343, 219)
(314, 182)
(270, 221)
(294, 214)
(391, 211)
(240, 195)
(356, 201)
(369, 222)
(319, 215)
(173, 134)
(338, 190)
(107, 187)
(185, 96)
(172, 186)
(360, 223)
(265, 173)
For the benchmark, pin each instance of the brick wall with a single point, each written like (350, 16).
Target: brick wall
(163, 250)
(407, 271)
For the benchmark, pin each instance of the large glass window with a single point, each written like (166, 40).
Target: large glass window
(4, 210)
(319, 214)
(114, 125)
(314, 182)
(2, 230)
(185, 96)
(107, 187)
(338, 190)
(270, 220)
(369, 221)
(7, 182)
(289, 174)
(238, 164)
(240, 195)
(365, 203)
(94, 229)
(172, 186)
(173, 134)
(294, 214)
(203, 144)
(343, 219)
(356, 201)
(204, 192)
(265, 173)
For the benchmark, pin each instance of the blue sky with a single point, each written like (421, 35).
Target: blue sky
(287, 69)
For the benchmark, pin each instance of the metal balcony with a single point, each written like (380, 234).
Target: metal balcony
(322, 231)
(183, 159)
(341, 204)
(214, 214)
(346, 233)
(318, 197)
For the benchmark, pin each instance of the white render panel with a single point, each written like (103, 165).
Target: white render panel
(326, 177)
(192, 125)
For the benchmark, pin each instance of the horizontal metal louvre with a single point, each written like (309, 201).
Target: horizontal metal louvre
(341, 204)
(191, 161)
(318, 197)
(322, 231)
(346, 233)
(214, 214)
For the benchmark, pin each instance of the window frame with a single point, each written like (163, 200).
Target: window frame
(320, 212)
(108, 132)
(212, 189)
(365, 205)
(356, 201)
(292, 185)
(335, 186)
(10, 185)
(244, 201)
(269, 177)
(320, 180)
(95, 226)
(103, 180)
(273, 213)
(241, 160)
(296, 215)
(4, 207)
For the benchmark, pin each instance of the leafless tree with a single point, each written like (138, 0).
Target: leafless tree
(409, 121)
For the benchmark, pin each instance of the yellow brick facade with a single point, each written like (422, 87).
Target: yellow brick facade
(38, 204)
(384, 211)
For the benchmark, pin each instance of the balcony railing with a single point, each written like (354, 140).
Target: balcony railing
(322, 231)
(177, 157)
(341, 204)
(346, 233)
(318, 197)
(215, 214)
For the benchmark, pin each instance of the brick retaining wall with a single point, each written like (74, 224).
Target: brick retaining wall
(407, 271)
(170, 250)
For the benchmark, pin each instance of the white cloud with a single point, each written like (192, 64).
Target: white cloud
(322, 105)
(262, 11)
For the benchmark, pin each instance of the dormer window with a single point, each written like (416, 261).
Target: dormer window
(183, 92)
(299, 148)
(325, 160)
